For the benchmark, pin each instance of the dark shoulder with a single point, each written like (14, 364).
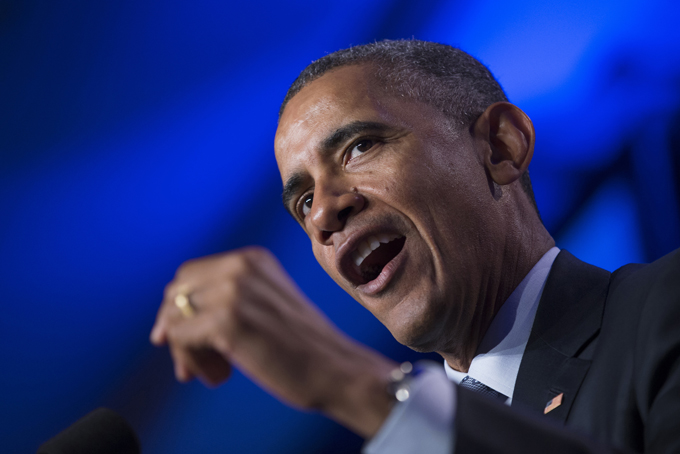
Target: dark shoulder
(646, 299)
(656, 281)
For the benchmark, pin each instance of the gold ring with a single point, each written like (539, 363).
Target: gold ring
(184, 305)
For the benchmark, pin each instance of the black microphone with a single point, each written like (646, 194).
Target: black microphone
(102, 431)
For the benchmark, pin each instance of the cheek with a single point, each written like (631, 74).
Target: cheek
(324, 256)
(412, 183)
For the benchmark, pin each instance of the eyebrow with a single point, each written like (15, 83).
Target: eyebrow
(348, 131)
(328, 145)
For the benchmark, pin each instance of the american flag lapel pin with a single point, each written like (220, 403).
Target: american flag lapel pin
(553, 403)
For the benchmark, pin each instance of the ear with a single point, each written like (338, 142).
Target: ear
(508, 135)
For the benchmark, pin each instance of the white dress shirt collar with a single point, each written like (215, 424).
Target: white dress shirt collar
(499, 355)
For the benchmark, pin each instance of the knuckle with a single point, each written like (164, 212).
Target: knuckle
(239, 285)
(256, 252)
(184, 269)
(256, 255)
(170, 289)
(191, 267)
(242, 264)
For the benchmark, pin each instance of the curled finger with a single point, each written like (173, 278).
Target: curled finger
(196, 352)
(176, 305)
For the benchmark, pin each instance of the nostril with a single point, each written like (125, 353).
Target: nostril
(344, 214)
(325, 235)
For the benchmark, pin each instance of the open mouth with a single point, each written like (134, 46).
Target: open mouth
(374, 253)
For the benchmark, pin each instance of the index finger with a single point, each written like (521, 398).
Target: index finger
(166, 312)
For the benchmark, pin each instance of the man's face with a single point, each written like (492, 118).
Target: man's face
(396, 203)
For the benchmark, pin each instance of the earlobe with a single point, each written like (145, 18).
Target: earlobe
(508, 137)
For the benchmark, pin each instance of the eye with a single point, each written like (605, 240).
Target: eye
(360, 148)
(306, 205)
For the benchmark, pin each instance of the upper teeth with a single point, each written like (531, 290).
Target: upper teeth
(369, 245)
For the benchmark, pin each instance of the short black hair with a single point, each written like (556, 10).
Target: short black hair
(440, 75)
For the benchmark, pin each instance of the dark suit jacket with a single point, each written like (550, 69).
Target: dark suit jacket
(610, 343)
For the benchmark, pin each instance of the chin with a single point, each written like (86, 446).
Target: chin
(420, 333)
(418, 343)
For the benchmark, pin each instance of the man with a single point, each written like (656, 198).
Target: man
(407, 167)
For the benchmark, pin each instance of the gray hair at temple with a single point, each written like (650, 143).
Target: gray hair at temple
(437, 74)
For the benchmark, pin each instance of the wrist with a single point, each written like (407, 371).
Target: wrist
(361, 401)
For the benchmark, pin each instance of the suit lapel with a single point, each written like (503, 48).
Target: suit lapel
(568, 319)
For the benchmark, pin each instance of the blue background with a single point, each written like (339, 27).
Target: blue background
(137, 134)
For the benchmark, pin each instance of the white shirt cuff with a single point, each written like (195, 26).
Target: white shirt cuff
(422, 423)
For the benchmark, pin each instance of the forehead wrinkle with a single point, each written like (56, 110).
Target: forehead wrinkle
(298, 128)
(306, 112)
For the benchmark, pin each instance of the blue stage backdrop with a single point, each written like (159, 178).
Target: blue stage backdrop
(137, 134)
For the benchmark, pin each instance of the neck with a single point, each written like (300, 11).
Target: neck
(516, 259)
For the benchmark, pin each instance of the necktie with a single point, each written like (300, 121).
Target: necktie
(477, 386)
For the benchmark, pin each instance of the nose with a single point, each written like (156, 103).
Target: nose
(330, 211)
